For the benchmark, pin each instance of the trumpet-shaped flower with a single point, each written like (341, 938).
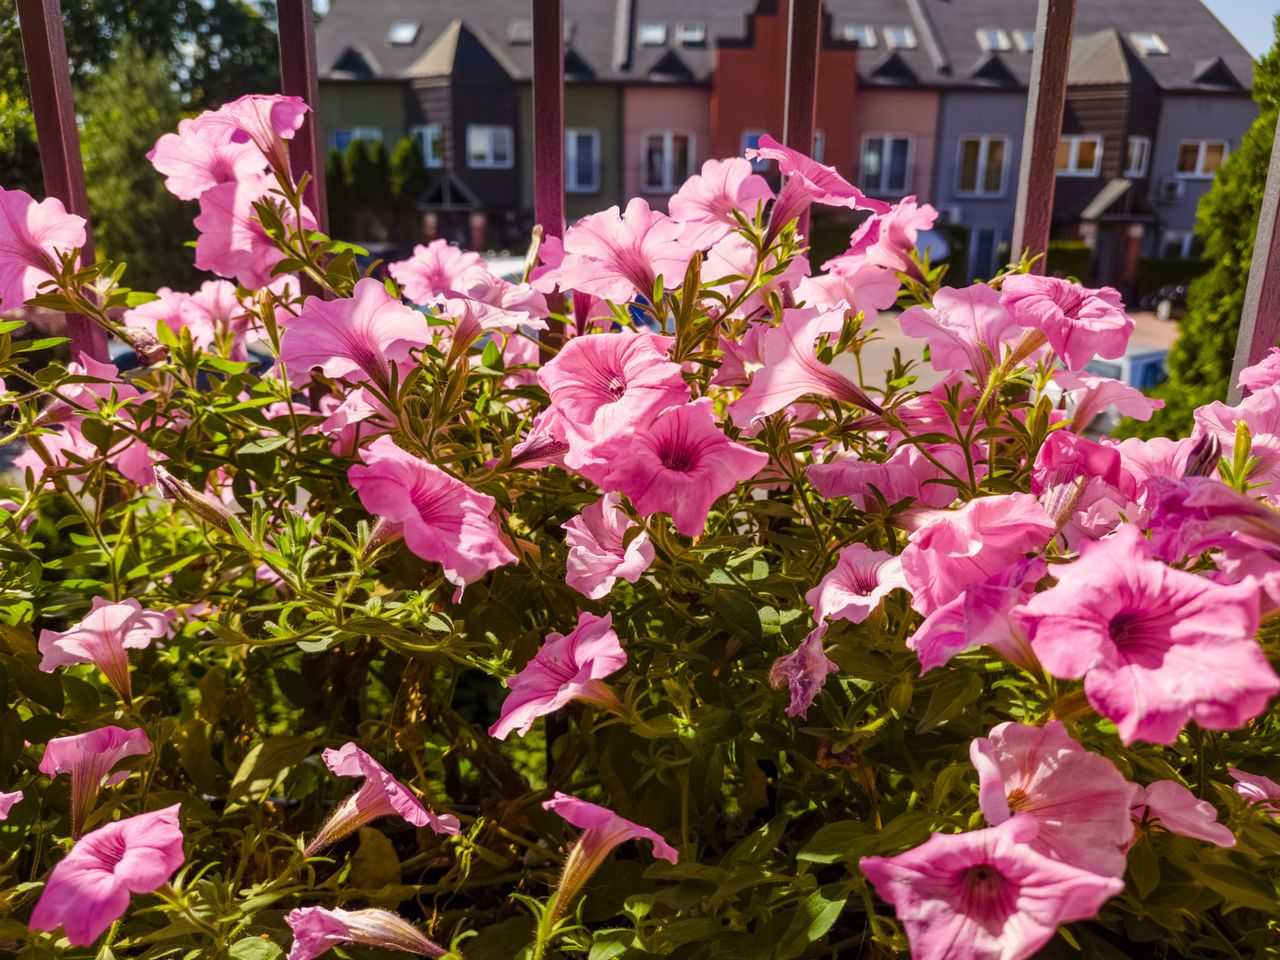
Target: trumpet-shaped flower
(1178, 810)
(567, 667)
(441, 269)
(91, 886)
(212, 312)
(104, 638)
(1257, 790)
(1156, 646)
(1260, 412)
(317, 929)
(985, 894)
(803, 672)
(7, 803)
(265, 120)
(679, 463)
(603, 830)
(1079, 799)
(791, 368)
(868, 290)
(908, 473)
(32, 234)
(886, 240)
(731, 261)
(1079, 323)
(962, 328)
(90, 759)
(380, 795)
(705, 203)
(232, 242)
(1263, 374)
(199, 157)
(445, 521)
(861, 579)
(1090, 395)
(599, 554)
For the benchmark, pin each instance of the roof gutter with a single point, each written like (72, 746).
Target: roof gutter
(624, 12)
(929, 35)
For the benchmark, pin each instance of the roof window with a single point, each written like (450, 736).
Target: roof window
(403, 33)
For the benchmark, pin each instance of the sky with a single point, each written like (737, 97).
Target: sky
(1250, 20)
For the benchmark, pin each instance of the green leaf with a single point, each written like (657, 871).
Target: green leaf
(375, 864)
(263, 445)
(739, 613)
(254, 948)
(1144, 868)
(835, 842)
(953, 693)
(1235, 885)
(265, 764)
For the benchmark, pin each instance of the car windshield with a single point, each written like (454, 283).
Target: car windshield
(1149, 374)
(1102, 368)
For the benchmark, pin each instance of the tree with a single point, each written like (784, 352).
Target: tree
(409, 177)
(1200, 361)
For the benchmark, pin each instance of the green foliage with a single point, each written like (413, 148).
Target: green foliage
(1155, 272)
(374, 197)
(1069, 258)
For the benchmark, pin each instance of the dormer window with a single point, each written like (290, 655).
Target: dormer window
(992, 39)
(652, 34)
(691, 34)
(520, 33)
(1024, 40)
(1149, 44)
(403, 33)
(899, 38)
(864, 36)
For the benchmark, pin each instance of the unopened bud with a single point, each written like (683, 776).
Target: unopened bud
(384, 531)
(193, 501)
(148, 349)
(1204, 457)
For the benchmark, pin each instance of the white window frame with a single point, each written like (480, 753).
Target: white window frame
(882, 189)
(993, 39)
(1024, 40)
(1149, 43)
(1073, 168)
(1000, 236)
(366, 134)
(571, 143)
(653, 40)
(1137, 170)
(422, 133)
(862, 34)
(819, 146)
(1199, 173)
(908, 38)
(672, 178)
(490, 163)
(745, 144)
(984, 155)
(691, 33)
(520, 33)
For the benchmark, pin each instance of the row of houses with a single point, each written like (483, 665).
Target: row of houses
(923, 97)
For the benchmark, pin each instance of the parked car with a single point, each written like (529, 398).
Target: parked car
(1142, 367)
(1168, 302)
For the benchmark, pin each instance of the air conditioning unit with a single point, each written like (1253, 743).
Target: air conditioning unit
(950, 214)
(1171, 190)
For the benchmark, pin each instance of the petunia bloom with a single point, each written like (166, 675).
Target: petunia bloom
(354, 337)
(907, 473)
(90, 759)
(860, 580)
(380, 795)
(232, 242)
(265, 120)
(1265, 373)
(1260, 413)
(705, 203)
(803, 672)
(90, 887)
(1257, 790)
(317, 929)
(439, 269)
(213, 315)
(1156, 646)
(1090, 395)
(966, 329)
(599, 554)
(199, 157)
(567, 667)
(104, 638)
(1178, 810)
(1079, 323)
(445, 521)
(1080, 800)
(7, 803)
(32, 234)
(985, 894)
(679, 463)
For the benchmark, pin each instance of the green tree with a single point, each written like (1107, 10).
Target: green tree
(365, 179)
(1200, 361)
(409, 178)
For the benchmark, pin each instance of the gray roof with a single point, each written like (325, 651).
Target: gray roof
(603, 39)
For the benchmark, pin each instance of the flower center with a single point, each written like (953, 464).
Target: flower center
(617, 387)
(1017, 799)
(678, 456)
(987, 895)
(1124, 628)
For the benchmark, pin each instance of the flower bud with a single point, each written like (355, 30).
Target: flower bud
(149, 350)
(1204, 457)
(191, 500)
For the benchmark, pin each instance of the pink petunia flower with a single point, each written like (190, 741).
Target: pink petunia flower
(265, 120)
(7, 802)
(603, 830)
(441, 269)
(1257, 790)
(90, 759)
(985, 894)
(705, 203)
(1260, 412)
(354, 337)
(599, 553)
(567, 667)
(380, 795)
(212, 313)
(317, 929)
(1178, 810)
(803, 672)
(854, 588)
(1080, 800)
(866, 290)
(1198, 513)
(679, 463)
(951, 549)
(199, 157)
(75, 398)
(962, 328)
(907, 473)
(731, 261)
(791, 368)
(231, 241)
(91, 886)
(1156, 647)
(1082, 484)
(1090, 395)
(886, 240)
(1263, 374)
(32, 234)
(445, 521)
(104, 638)
(1079, 323)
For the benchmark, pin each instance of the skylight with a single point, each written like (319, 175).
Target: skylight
(899, 38)
(652, 34)
(403, 32)
(519, 33)
(1025, 40)
(860, 34)
(993, 39)
(1149, 44)
(691, 34)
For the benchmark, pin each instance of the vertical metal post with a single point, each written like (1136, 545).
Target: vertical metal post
(1260, 319)
(548, 116)
(1037, 173)
(299, 77)
(804, 24)
(49, 79)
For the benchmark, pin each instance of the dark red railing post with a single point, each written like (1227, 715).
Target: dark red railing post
(299, 77)
(1037, 172)
(804, 24)
(548, 116)
(52, 103)
(1260, 319)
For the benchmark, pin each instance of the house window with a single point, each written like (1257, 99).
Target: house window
(899, 38)
(751, 140)
(653, 34)
(489, 146)
(403, 32)
(341, 138)
(1200, 158)
(1138, 157)
(819, 145)
(864, 36)
(886, 164)
(430, 137)
(520, 33)
(1079, 156)
(982, 165)
(1177, 244)
(668, 160)
(691, 34)
(1149, 44)
(993, 38)
(1024, 40)
(988, 251)
(581, 161)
